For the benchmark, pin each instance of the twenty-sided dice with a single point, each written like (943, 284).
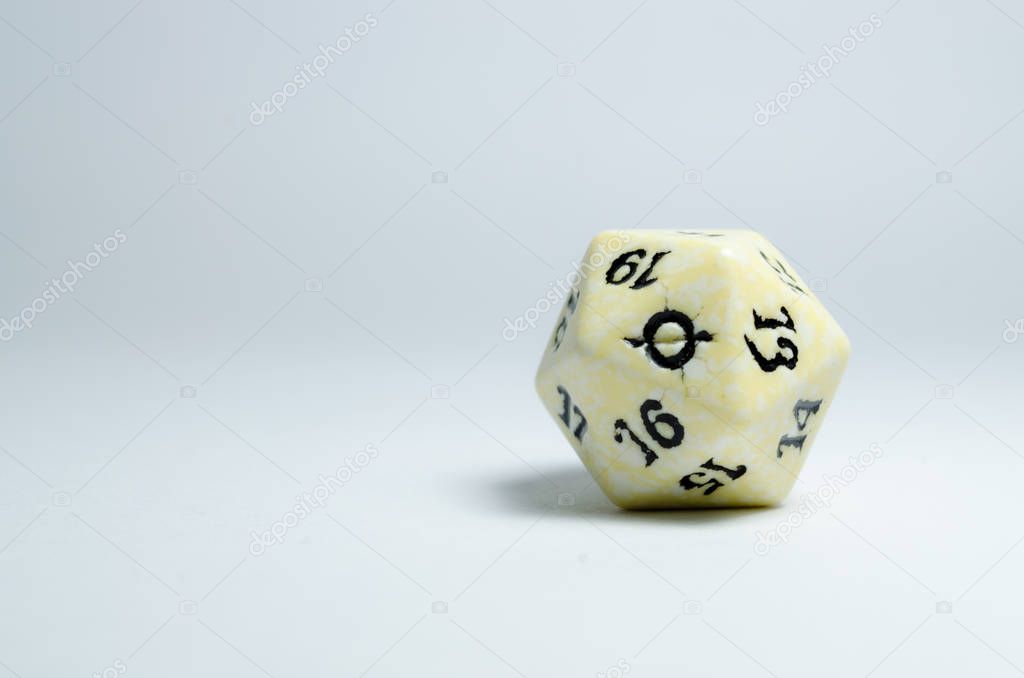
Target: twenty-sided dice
(691, 368)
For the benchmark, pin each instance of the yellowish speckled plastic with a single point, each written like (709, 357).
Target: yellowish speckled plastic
(691, 369)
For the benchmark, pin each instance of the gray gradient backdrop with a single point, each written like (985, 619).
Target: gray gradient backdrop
(289, 293)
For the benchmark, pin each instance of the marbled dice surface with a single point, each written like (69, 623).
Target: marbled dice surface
(691, 368)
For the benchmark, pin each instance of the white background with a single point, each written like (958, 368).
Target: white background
(291, 292)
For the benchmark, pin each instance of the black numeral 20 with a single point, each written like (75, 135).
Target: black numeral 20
(626, 266)
(566, 415)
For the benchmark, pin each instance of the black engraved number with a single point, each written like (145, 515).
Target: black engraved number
(563, 324)
(624, 260)
(665, 419)
(790, 441)
(805, 408)
(626, 266)
(645, 278)
(566, 417)
(689, 482)
(783, 273)
(573, 301)
(566, 404)
(650, 456)
(771, 323)
(674, 439)
(581, 427)
(802, 412)
(781, 359)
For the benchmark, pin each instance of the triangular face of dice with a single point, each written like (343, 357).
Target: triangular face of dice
(796, 353)
(691, 368)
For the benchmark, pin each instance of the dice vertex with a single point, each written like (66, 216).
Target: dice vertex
(691, 368)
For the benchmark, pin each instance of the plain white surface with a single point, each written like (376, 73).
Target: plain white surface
(293, 292)
(462, 507)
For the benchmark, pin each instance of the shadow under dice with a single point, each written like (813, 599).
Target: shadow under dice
(691, 369)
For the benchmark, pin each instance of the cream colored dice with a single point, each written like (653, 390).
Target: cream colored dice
(691, 369)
